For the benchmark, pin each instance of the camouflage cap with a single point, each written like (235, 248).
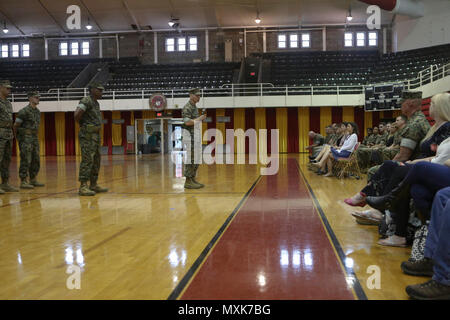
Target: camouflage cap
(5, 83)
(96, 85)
(195, 91)
(406, 95)
(33, 94)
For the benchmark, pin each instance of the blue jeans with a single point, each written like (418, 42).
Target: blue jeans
(437, 246)
(426, 179)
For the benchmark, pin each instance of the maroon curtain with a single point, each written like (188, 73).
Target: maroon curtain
(249, 124)
(70, 133)
(107, 131)
(292, 130)
(126, 116)
(137, 115)
(375, 118)
(359, 120)
(50, 134)
(211, 113)
(336, 115)
(388, 115)
(271, 123)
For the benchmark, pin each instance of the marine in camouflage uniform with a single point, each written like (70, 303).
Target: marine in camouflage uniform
(6, 136)
(412, 134)
(190, 113)
(317, 145)
(90, 119)
(26, 127)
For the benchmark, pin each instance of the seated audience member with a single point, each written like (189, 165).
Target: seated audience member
(345, 151)
(368, 137)
(392, 147)
(440, 112)
(416, 129)
(317, 145)
(338, 141)
(436, 262)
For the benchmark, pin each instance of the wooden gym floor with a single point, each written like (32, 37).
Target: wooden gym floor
(244, 236)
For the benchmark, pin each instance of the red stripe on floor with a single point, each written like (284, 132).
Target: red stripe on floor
(275, 248)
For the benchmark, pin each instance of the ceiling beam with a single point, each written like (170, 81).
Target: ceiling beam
(12, 22)
(91, 15)
(125, 4)
(51, 16)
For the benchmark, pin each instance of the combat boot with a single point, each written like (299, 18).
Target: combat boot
(8, 188)
(2, 191)
(190, 184)
(200, 184)
(85, 191)
(35, 183)
(25, 185)
(96, 188)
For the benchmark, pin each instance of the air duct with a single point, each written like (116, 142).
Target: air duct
(412, 8)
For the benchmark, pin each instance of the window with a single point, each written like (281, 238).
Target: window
(74, 46)
(192, 43)
(293, 41)
(25, 50)
(281, 41)
(15, 51)
(181, 44)
(360, 39)
(63, 49)
(5, 51)
(170, 44)
(373, 39)
(85, 48)
(306, 40)
(348, 39)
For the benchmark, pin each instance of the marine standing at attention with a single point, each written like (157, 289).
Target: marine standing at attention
(90, 118)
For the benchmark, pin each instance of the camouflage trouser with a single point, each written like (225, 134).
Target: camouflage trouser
(29, 156)
(363, 155)
(5, 157)
(190, 168)
(90, 156)
(371, 172)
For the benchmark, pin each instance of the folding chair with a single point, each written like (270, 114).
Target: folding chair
(348, 166)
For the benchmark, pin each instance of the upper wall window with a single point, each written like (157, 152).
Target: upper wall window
(281, 41)
(15, 53)
(74, 49)
(373, 39)
(181, 44)
(360, 39)
(348, 39)
(306, 40)
(63, 49)
(170, 44)
(5, 51)
(192, 43)
(85, 48)
(25, 50)
(293, 41)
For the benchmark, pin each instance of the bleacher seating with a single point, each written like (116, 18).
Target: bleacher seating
(352, 67)
(130, 74)
(41, 75)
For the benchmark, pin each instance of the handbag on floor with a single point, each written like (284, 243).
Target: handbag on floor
(418, 247)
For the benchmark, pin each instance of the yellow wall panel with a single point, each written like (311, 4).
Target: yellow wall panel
(239, 123)
(282, 126)
(348, 114)
(116, 133)
(325, 119)
(60, 128)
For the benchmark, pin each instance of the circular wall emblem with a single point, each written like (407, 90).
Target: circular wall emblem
(157, 102)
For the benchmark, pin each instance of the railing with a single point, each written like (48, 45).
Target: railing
(429, 75)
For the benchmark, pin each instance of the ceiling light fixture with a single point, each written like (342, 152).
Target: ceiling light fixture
(349, 15)
(89, 27)
(5, 29)
(257, 20)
